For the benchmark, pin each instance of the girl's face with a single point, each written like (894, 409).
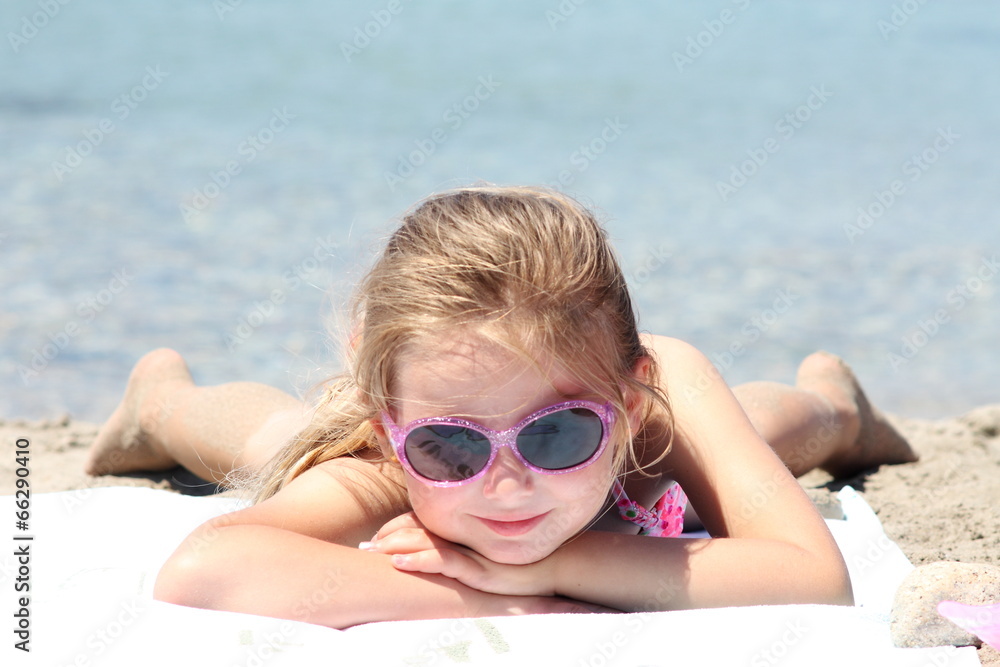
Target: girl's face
(511, 514)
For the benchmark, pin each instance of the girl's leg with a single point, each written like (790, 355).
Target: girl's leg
(164, 420)
(824, 421)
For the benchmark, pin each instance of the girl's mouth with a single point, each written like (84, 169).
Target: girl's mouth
(513, 528)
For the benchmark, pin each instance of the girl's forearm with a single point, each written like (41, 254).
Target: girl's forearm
(635, 573)
(273, 572)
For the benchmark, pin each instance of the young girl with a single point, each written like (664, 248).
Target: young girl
(492, 449)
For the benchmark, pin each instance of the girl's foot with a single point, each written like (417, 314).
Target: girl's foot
(876, 441)
(128, 441)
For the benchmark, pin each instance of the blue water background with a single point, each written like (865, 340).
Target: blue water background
(99, 262)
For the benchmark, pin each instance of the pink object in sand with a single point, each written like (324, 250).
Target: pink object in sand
(982, 621)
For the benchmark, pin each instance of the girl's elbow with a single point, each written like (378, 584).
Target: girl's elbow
(180, 581)
(195, 575)
(833, 582)
(841, 591)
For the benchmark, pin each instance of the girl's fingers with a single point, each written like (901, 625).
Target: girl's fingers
(437, 561)
(404, 541)
(401, 522)
(406, 535)
(428, 562)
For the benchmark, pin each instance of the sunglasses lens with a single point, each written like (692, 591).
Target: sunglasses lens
(562, 439)
(446, 453)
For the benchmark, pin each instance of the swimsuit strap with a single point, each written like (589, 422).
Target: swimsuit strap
(665, 520)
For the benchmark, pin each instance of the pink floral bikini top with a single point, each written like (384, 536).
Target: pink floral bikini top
(666, 519)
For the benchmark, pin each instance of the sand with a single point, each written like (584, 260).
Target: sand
(943, 507)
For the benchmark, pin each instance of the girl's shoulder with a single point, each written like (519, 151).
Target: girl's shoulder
(684, 371)
(658, 436)
(696, 395)
(376, 485)
(672, 353)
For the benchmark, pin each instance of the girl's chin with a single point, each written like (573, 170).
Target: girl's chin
(516, 554)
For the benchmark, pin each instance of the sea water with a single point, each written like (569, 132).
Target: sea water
(778, 177)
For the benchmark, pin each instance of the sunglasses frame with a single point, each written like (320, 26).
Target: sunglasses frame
(497, 439)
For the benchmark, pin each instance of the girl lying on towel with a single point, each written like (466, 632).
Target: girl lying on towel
(504, 441)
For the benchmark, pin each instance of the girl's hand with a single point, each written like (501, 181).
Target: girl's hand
(413, 548)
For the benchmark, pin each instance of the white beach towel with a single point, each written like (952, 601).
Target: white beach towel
(95, 554)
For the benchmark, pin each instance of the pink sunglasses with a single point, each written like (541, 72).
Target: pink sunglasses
(445, 451)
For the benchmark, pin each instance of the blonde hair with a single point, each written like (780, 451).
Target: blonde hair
(528, 269)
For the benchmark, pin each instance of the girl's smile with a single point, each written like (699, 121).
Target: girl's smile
(513, 527)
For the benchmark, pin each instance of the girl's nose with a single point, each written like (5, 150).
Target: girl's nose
(507, 477)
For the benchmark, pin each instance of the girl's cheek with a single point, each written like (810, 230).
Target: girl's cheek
(417, 492)
(437, 509)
